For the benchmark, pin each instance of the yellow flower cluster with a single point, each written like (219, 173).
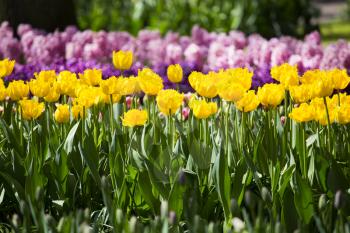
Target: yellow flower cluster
(338, 110)
(80, 92)
(312, 91)
(232, 85)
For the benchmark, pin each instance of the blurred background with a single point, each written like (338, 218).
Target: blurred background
(267, 17)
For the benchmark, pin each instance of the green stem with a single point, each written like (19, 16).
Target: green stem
(242, 131)
(226, 130)
(303, 148)
(83, 126)
(328, 126)
(111, 113)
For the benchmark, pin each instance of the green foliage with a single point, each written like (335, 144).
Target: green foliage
(172, 175)
(268, 17)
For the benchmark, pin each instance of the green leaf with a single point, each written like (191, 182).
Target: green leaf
(90, 155)
(200, 153)
(222, 183)
(16, 186)
(285, 178)
(289, 213)
(303, 198)
(158, 179)
(145, 187)
(185, 180)
(68, 145)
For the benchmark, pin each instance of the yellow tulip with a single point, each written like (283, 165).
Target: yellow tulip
(286, 74)
(232, 92)
(323, 86)
(310, 76)
(169, 101)
(86, 97)
(340, 78)
(31, 109)
(78, 111)
(248, 102)
(66, 83)
(91, 77)
(303, 113)
(204, 85)
(242, 76)
(271, 95)
(53, 94)
(343, 114)
(6, 67)
(134, 117)
(46, 76)
(175, 73)
(319, 110)
(150, 82)
(122, 60)
(39, 88)
(203, 109)
(3, 90)
(62, 113)
(302, 93)
(17, 90)
(128, 86)
(110, 86)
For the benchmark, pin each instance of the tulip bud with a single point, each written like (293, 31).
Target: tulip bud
(119, 216)
(278, 228)
(133, 224)
(87, 214)
(15, 220)
(164, 209)
(185, 113)
(100, 117)
(238, 224)
(265, 194)
(283, 120)
(211, 228)
(39, 193)
(339, 200)
(128, 101)
(322, 202)
(172, 218)
(85, 228)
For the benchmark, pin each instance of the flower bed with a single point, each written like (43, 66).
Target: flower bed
(123, 154)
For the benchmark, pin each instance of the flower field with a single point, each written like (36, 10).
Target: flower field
(81, 152)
